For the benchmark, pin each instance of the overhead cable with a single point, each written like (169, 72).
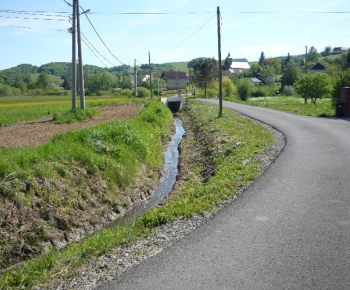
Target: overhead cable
(96, 50)
(101, 38)
(188, 36)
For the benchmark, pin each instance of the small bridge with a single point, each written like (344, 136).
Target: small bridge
(174, 103)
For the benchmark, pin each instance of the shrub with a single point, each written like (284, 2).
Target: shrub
(143, 93)
(289, 91)
(228, 88)
(127, 93)
(244, 89)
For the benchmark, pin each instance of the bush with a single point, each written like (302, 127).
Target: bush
(289, 91)
(342, 81)
(143, 93)
(127, 93)
(228, 88)
(4, 90)
(258, 92)
(244, 89)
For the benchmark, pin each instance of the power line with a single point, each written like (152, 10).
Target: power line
(27, 18)
(188, 36)
(68, 3)
(96, 50)
(101, 38)
(31, 13)
(93, 51)
(32, 28)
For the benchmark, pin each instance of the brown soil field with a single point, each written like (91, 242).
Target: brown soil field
(39, 131)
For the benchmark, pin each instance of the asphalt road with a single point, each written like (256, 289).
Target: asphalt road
(289, 230)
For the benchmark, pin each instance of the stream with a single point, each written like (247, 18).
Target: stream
(166, 183)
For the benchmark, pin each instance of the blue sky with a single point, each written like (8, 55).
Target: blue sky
(187, 31)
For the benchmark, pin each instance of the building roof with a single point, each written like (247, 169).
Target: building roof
(255, 80)
(318, 66)
(239, 65)
(174, 75)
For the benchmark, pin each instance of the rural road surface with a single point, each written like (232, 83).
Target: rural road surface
(289, 230)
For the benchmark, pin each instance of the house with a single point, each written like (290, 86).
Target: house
(233, 68)
(255, 81)
(339, 50)
(175, 80)
(317, 68)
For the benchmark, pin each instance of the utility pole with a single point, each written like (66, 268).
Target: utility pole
(305, 59)
(135, 79)
(74, 59)
(220, 70)
(150, 73)
(81, 72)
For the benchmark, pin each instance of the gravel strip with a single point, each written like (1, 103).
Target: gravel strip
(121, 259)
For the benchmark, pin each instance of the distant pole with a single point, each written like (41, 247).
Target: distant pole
(220, 70)
(305, 59)
(81, 72)
(135, 79)
(150, 74)
(74, 57)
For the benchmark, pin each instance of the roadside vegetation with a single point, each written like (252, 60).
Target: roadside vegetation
(220, 155)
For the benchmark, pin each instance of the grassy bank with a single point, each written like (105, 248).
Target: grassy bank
(218, 155)
(295, 105)
(20, 109)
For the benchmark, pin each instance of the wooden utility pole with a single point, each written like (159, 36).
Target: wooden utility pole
(220, 70)
(81, 72)
(305, 59)
(74, 57)
(135, 79)
(150, 74)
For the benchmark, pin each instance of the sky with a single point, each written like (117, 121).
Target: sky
(36, 31)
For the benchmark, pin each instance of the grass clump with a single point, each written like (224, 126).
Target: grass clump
(76, 115)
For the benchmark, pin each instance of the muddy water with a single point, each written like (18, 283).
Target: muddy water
(166, 183)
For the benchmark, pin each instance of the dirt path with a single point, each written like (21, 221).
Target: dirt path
(39, 131)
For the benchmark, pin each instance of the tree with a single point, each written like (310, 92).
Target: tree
(125, 82)
(43, 81)
(255, 70)
(267, 74)
(262, 58)
(291, 74)
(274, 62)
(312, 55)
(204, 73)
(327, 51)
(106, 80)
(314, 86)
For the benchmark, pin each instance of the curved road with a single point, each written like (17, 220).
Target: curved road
(289, 230)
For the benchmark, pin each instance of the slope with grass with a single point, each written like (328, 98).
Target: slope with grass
(63, 190)
(218, 157)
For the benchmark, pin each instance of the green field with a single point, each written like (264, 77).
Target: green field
(323, 107)
(20, 109)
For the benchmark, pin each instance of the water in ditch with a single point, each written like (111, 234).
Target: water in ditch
(166, 183)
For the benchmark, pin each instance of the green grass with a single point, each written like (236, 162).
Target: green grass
(20, 109)
(76, 115)
(295, 105)
(235, 145)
